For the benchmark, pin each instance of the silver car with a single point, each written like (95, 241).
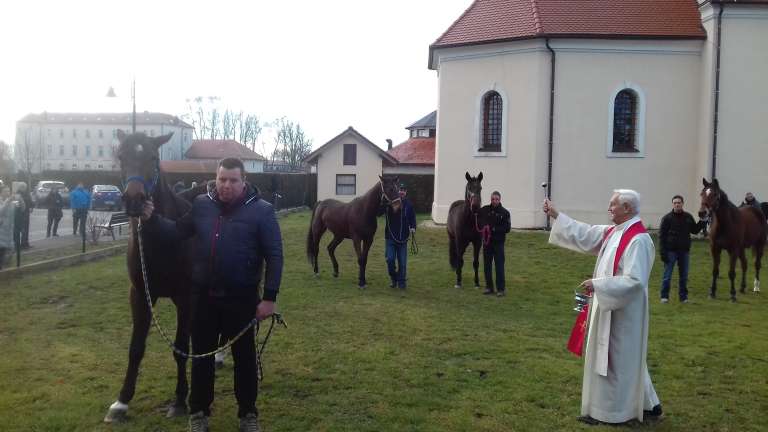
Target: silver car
(43, 188)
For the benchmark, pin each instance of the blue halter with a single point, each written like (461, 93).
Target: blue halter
(148, 187)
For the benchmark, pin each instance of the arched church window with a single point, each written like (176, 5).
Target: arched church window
(491, 128)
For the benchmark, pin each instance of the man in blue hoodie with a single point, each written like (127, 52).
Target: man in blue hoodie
(80, 201)
(237, 233)
(399, 224)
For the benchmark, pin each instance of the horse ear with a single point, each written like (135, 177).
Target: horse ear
(715, 183)
(162, 139)
(467, 176)
(705, 182)
(121, 135)
(480, 176)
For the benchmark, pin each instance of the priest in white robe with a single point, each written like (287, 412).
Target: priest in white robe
(616, 387)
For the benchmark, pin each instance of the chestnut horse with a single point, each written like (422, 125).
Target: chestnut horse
(735, 230)
(168, 264)
(464, 228)
(355, 220)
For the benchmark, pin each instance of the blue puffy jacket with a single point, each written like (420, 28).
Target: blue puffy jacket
(79, 199)
(233, 242)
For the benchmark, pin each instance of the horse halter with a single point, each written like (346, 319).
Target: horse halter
(384, 197)
(149, 188)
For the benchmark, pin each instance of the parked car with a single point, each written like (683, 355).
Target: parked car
(106, 197)
(43, 188)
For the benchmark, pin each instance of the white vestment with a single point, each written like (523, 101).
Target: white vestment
(616, 386)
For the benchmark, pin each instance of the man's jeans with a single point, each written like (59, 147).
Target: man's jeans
(494, 252)
(682, 260)
(397, 251)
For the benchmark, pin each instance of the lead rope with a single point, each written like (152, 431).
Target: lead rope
(277, 318)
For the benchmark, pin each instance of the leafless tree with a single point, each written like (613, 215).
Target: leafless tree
(291, 143)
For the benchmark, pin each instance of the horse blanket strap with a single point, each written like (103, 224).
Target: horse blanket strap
(579, 330)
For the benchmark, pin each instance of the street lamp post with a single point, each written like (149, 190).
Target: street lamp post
(111, 93)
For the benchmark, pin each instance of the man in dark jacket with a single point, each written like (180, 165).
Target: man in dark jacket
(55, 204)
(26, 212)
(236, 232)
(399, 224)
(497, 218)
(675, 242)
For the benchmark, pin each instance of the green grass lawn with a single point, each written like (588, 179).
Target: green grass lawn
(438, 359)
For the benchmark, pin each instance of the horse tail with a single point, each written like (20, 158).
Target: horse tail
(311, 247)
(453, 257)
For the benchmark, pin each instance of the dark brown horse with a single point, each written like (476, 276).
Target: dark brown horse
(168, 265)
(355, 220)
(464, 227)
(735, 230)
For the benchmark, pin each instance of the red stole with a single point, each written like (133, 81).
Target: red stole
(576, 341)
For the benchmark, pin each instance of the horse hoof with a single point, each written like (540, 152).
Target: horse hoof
(363, 286)
(116, 413)
(177, 411)
(457, 286)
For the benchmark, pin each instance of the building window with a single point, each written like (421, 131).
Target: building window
(49, 132)
(87, 166)
(345, 184)
(50, 149)
(61, 150)
(61, 133)
(61, 165)
(490, 140)
(101, 166)
(74, 133)
(114, 167)
(101, 133)
(350, 154)
(625, 122)
(87, 133)
(424, 133)
(87, 151)
(74, 149)
(414, 133)
(101, 151)
(74, 165)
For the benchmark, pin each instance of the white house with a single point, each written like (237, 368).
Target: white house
(348, 166)
(85, 141)
(593, 95)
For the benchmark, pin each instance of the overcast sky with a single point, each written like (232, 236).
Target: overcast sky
(325, 64)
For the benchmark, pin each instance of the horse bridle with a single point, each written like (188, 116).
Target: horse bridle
(384, 197)
(149, 188)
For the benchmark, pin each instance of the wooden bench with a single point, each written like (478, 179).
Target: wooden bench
(116, 220)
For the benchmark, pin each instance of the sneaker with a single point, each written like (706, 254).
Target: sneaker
(488, 292)
(664, 300)
(684, 301)
(198, 422)
(501, 294)
(249, 423)
(392, 284)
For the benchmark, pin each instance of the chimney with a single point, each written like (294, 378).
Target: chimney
(389, 144)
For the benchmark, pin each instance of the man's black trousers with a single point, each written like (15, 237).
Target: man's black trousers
(494, 253)
(212, 316)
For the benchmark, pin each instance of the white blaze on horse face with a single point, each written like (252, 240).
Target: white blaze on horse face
(708, 192)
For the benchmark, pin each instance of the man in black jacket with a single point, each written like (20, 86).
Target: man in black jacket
(675, 242)
(236, 232)
(398, 226)
(497, 218)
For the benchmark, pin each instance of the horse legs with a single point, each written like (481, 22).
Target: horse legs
(743, 261)
(732, 257)
(331, 249)
(461, 247)
(141, 321)
(183, 308)
(476, 244)
(715, 270)
(364, 260)
(758, 263)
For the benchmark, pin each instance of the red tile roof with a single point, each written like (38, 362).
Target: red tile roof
(415, 151)
(487, 21)
(189, 166)
(220, 149)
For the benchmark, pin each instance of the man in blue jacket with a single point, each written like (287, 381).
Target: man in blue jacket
(399, 224)
(236, 233)
(80, 201)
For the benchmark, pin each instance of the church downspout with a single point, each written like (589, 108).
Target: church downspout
(551, 124)
(715, 119)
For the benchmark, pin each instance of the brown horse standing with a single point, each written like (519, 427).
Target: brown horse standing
(168, 265)
(355, 220)
(463, 227)
(733, 229)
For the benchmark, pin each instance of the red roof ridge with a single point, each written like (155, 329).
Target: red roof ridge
(536, 18)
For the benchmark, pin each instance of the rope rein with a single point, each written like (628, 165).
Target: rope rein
(276, 319)
(485, 232)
